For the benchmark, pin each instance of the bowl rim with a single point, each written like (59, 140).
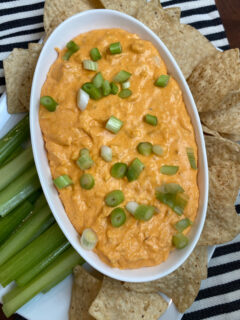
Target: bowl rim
(197, 130)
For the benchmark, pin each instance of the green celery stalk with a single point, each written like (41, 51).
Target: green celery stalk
(11, 294)
(34, 197)
(63, 264)
(9, 223)
(58, 280)
(32, 254)
(12, 156)
(24, 233)
(18, 190)
(41, 202)
(15, 137)
(36, 269)
(14, 168)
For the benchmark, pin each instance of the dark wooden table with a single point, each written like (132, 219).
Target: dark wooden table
(230, 14)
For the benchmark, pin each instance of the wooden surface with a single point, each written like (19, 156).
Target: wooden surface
(230, 14)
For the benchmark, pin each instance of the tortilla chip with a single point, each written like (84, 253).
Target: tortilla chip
(183, 284)
(210, 132)
(126, 6)
(214, 78)
(56, 11)
(174, 13)
(34, 50)
(116, 302)
(15, 68)
(184, 42)
(233, 137)
(85, 290)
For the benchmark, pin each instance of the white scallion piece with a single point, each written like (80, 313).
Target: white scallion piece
(88, 239)
(126, 85)
(82, 99)
(106, 153)
(132, 206)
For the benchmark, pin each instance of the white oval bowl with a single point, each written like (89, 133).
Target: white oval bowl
(69, 29)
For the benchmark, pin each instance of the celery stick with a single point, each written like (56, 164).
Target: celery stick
(31, 255)
(18, 190)
(14, 138)
(36, 269)
(57, 281)
(24, 234)
(12, 156)
(63, 264)
(14, 168)
(34, 197)
(9, 223)
(41, 201)
(11, 294)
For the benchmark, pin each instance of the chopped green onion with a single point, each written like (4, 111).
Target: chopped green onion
(72, 48)
(157, 149)
(93, 92)
(191, 158)
(114, 198)
(169, 170)
(98, 80)
(49, 103)
(82, 99)
(90, 65)
(119, 170)
(115, 48)
(95, 54)
(125, 93)
(176, 201)
(183, 224)
(145, 148)
(150, 119)
(162, 81)
(62, 181)
(118, 217)
(132, 206)
(134, 170)
(85, 161)
(170, 188)
(113, 124)
(180, 241)
(144, 212)
(106, 153)
(87, 181)
(106, 88)
(122, 76)
(114, 88)
(88, 239)
(126, 85)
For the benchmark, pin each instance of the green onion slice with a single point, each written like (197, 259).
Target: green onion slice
(126, 85)
(145, 148)
(113, 124)
(94, 93)
(114, 198)
(87, 181)
(162, 81)
(122, 76)
(88, 239)
(106, 88)
(72, 48)
(170, 188)
(169, 170)
(95, 54)
(98, 80)
(134, 170)
(176, 201)
(150, 119)
(180, 241)
(90, 65)
(125, 93)
(106, 153)
(144, 212)
(119, 170)
(183, 224)
(49, 103)
(85, 161)
(114, 88)
(158, 150)
(191, 158)
(118, 217)
(132, 206)
(115, 48)
(62, 181)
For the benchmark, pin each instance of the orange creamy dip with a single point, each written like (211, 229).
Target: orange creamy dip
(67, 130)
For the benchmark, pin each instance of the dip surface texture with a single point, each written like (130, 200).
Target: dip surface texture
(67, 130)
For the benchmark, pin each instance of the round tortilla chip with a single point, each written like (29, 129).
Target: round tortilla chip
(125, 6)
